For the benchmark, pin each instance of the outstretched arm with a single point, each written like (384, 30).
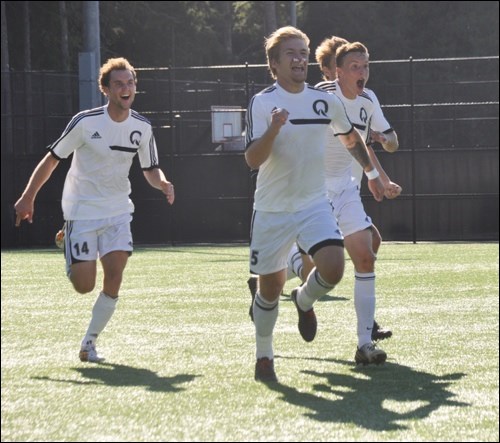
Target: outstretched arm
(156, 178)
(25, 206)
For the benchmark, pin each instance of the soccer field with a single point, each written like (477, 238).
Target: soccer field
(180, 352)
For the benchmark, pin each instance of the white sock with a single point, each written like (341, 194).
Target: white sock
(102, 311)
(364, 303)
(314, 288)
(294, 262)
(265, 315)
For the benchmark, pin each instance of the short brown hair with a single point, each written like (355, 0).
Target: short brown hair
(272, 43)
(347, 49)
(114, 64)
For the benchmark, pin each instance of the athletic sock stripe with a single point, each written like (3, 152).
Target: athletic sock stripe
(322, 282)
(268, 306)
(364, 277)
(263, 308)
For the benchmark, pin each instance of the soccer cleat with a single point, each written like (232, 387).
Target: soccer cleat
(369, 353)
(308, 324)
(252, 285)
(264, 370)
(59, 240)
(379, 332)
(88, 353)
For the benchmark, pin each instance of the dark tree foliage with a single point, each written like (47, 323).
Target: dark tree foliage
(396, 30)
(186, 33)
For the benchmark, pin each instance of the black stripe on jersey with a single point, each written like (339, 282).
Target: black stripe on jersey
(249, 124)
(140, 117)
(123, 149)
(344, 133)
(54, 154)
(388, 131)
(74, 121)
(314, 88)
(268, 89)
(360, 127)
(152, 152)
(81, 116)
(327, 86)
(365, 95)
(310, 121)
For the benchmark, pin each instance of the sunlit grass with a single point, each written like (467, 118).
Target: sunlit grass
(180, 353)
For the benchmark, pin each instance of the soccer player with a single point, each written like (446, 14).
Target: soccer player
(96, 205)
(287, 126)
(350, 63)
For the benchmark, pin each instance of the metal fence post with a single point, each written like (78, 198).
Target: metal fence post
(413, 166)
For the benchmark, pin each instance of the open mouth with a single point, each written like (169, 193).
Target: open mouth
(361, 84)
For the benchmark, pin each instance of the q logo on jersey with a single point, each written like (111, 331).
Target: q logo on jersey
(320, 107)
(363, 115)
(135, 137)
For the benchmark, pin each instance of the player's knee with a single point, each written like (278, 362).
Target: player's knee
(365, 262)
(332, 276)
(82, 286)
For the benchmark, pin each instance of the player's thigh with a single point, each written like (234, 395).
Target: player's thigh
(320, 237)
(272, 235)
(318, 227)
(114, 263)
(81, 254)
(350, 213)
(83, 276)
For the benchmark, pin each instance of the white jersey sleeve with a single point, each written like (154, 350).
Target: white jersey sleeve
(378, 123)
(72, 136)
(257, 120)
(147, 152)
(341, 124)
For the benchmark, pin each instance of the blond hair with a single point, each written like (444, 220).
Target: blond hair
(325, 52)
(114, 64)
(272, 43)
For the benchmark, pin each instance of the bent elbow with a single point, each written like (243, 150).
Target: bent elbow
(391, 146)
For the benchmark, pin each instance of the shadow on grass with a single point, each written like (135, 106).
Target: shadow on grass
(108, 374)
(327, 297)
(383, 400)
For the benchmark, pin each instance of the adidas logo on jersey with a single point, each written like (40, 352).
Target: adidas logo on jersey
(96, 135)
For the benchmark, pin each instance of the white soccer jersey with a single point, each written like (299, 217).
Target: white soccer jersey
(293, 175)
(365, 113)
(97, 184)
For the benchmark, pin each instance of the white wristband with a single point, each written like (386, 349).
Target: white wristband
(373, 174)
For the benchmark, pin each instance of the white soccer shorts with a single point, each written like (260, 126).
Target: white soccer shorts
(349, 210)
(86, 240)
(273, 234)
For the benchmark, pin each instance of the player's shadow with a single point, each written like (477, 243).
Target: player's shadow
(286, 298)
(109, 374)
(385, 398)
